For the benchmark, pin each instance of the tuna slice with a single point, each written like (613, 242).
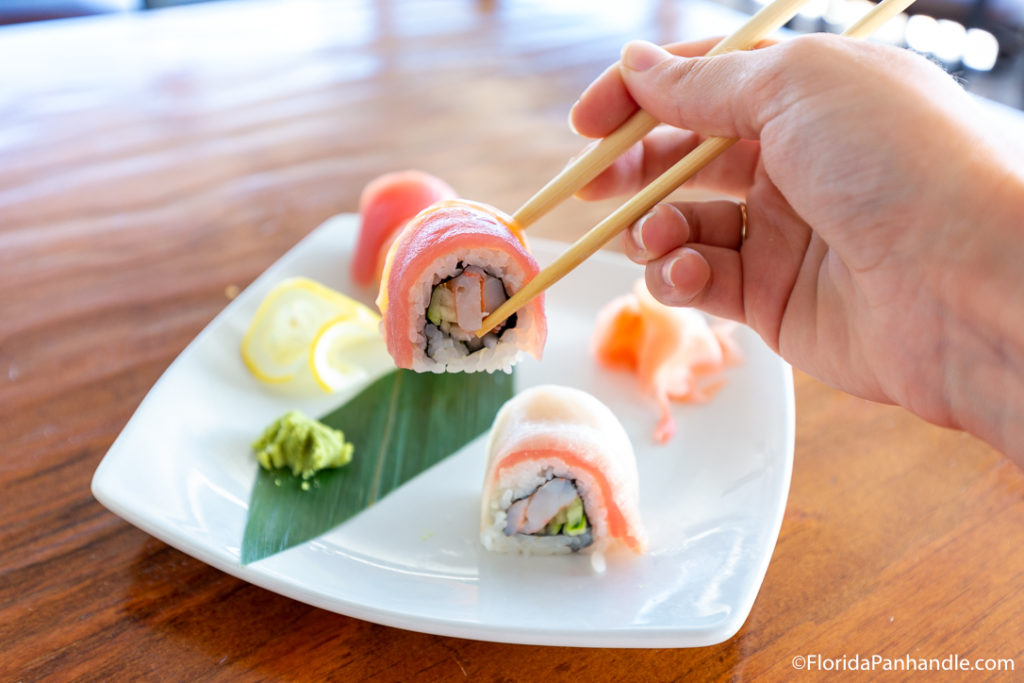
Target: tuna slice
(385, 206)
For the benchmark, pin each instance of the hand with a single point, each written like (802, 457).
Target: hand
(884, 250)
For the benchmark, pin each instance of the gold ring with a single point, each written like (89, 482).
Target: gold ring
(743, 223)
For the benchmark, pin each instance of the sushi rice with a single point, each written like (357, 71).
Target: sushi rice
(520, 481)
(436, 351)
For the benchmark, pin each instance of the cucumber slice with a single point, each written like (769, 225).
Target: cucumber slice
(442, 305)
(575, 519)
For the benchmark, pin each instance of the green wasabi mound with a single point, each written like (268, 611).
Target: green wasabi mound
(301, 444)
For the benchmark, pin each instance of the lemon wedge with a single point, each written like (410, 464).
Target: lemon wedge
(347, 351)
(277, 345)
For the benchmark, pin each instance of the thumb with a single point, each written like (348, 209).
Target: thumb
(730, 95)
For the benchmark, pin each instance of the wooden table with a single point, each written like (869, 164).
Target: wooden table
(151, 164)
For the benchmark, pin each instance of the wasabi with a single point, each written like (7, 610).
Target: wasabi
(302, 444)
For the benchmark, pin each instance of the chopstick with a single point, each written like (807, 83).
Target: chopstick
(660, 188)
(590, 164)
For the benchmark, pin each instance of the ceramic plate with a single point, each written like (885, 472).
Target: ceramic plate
(712, 499)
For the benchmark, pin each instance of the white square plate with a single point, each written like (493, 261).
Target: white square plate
(712, 498)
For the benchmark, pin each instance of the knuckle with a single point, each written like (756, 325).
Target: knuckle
(796, 72)
(682, 74)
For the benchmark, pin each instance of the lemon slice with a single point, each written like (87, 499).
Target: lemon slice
(277, 344)
(346, 352)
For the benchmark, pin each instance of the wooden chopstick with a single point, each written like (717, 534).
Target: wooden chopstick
(660, 188)
(590, 164)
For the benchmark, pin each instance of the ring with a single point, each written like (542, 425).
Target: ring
(743, 222)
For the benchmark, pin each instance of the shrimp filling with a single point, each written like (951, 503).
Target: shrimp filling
(459, 304)
(553, 509)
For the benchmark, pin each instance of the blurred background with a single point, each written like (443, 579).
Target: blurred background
(981, 42)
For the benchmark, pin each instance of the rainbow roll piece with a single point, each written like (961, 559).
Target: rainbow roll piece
(561, 477)
(451, 266)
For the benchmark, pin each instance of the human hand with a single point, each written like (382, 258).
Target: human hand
(884, 233)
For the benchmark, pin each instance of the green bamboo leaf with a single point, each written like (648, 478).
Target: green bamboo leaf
(400, 425)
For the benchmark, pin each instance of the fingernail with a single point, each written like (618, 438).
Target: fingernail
(572, 111)
(678, 271)
(636, 232)
(639, 55)
(686, 273)
(666, 271)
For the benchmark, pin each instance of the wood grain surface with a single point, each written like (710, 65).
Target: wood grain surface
(151, 164)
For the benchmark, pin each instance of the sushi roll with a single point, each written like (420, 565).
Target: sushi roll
(561, 477)
(452, 265)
